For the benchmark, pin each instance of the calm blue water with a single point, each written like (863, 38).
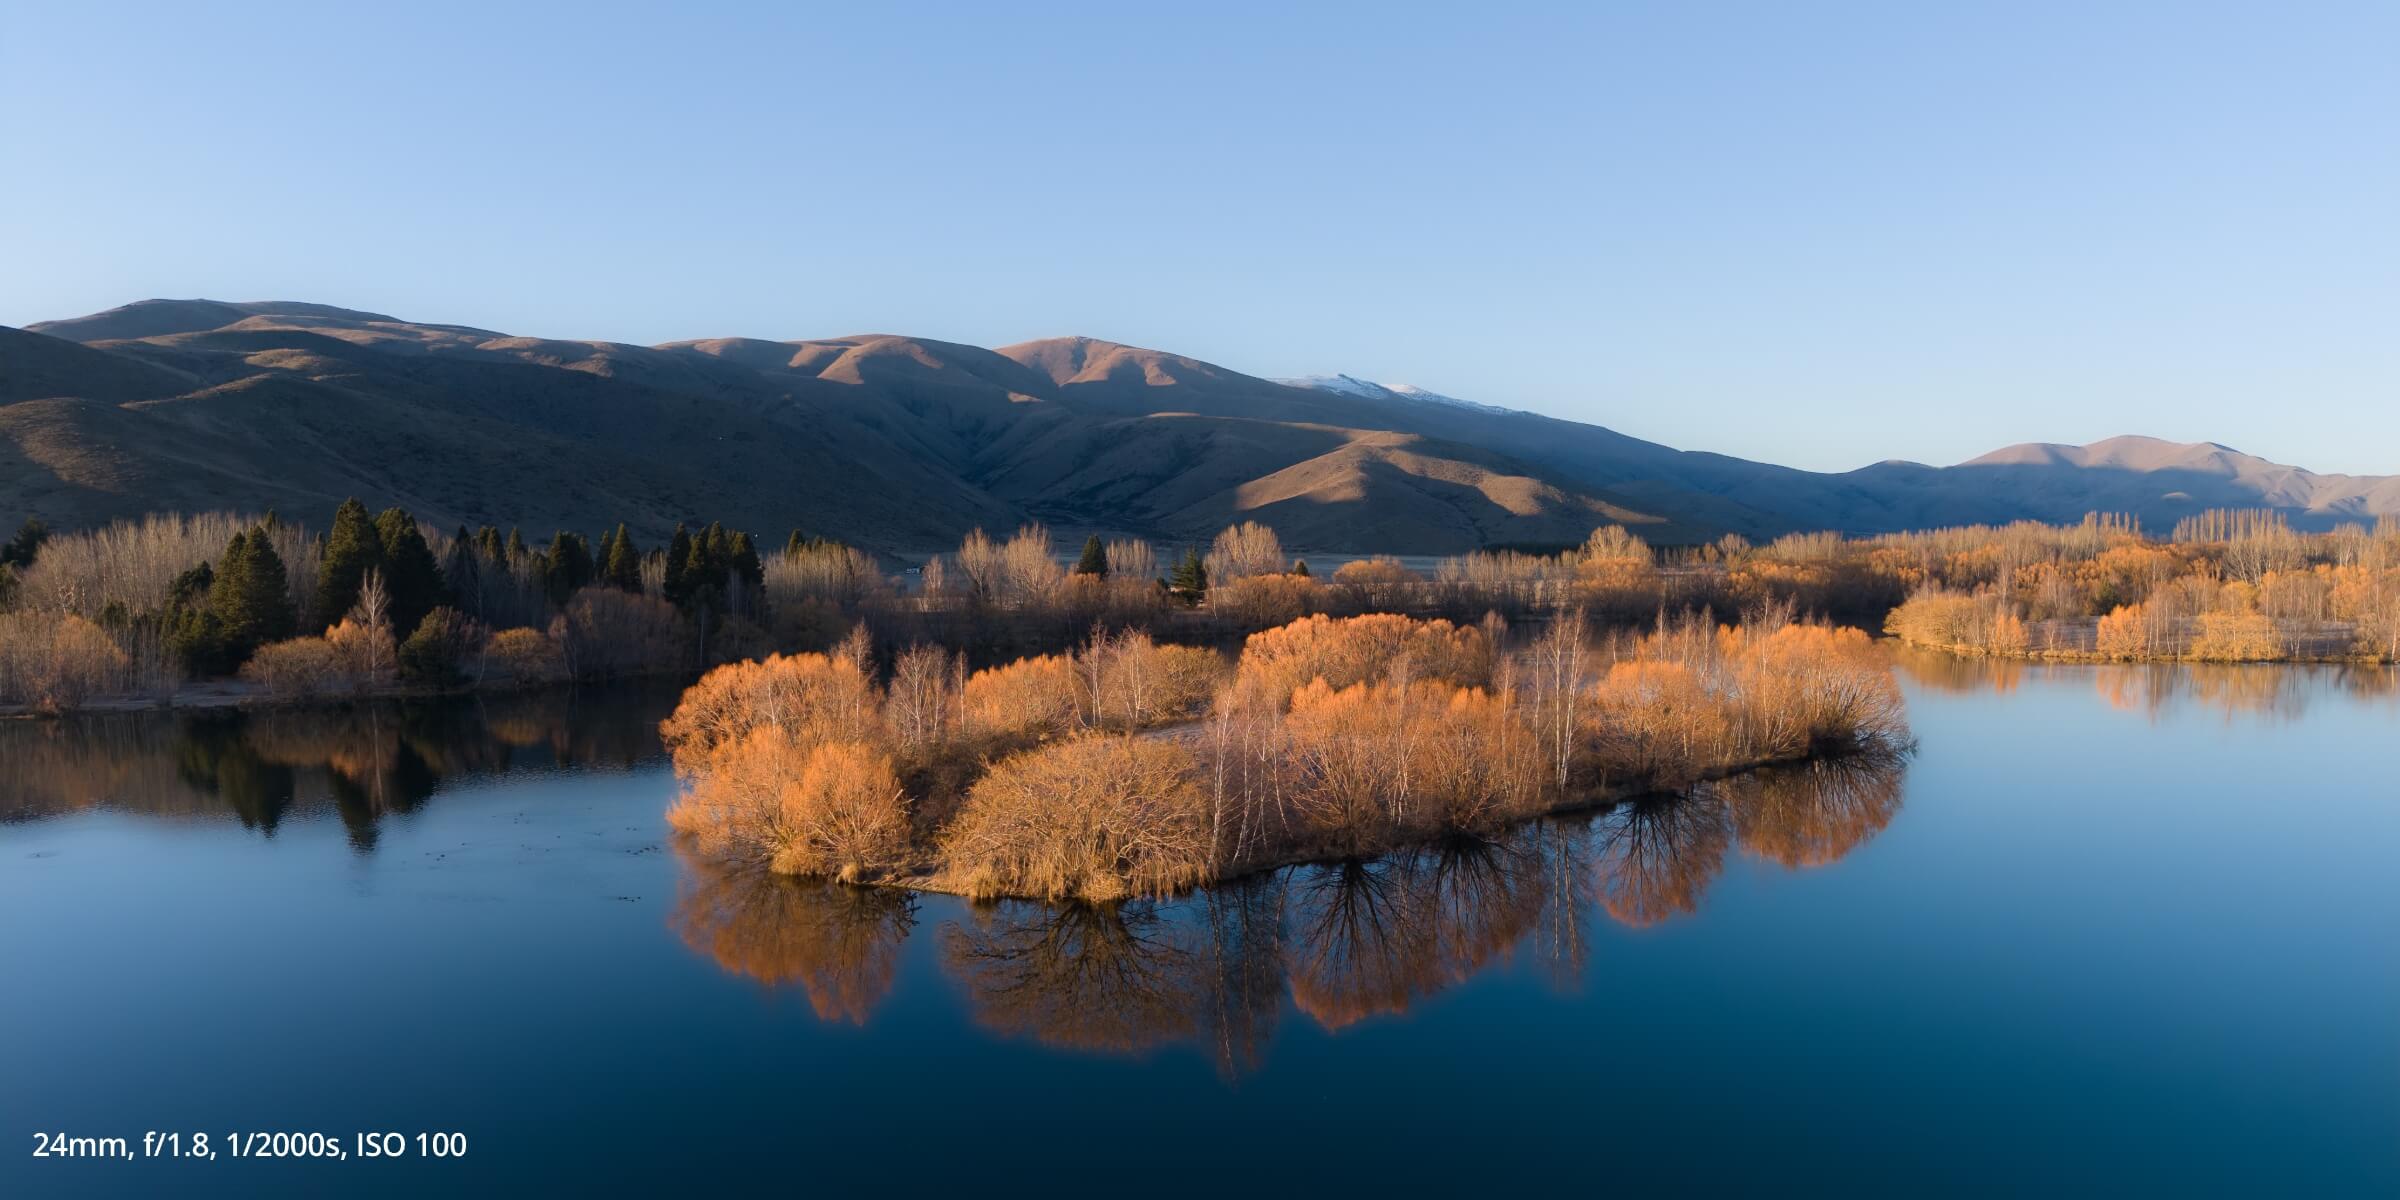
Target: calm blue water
(2111, 929)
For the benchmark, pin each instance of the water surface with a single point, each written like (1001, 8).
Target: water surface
(2111, 928)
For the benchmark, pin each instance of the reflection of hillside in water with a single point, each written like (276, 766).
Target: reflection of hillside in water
(1339, 943)
(357, 762)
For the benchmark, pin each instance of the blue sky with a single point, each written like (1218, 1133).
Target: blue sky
(1819, 234)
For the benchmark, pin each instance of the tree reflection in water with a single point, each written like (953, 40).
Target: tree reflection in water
(1813, 814)
(359, 763)
(1658, 854)
(1370, 938)
(839, 944)
(1341, 942)
(1120, 978)
(2271, 690)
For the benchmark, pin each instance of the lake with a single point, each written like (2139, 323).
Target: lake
(2110, 928)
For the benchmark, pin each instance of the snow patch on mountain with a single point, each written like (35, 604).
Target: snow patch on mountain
(1368, 389)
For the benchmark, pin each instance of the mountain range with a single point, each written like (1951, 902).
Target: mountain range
(903, 444)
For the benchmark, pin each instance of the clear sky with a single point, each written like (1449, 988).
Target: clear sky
(1819, 234)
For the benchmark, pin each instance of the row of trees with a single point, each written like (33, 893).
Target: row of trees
(138, 607)
(2260, 592)
(1327, 737)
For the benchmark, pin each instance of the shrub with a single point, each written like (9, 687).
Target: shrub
(1345, 651)
(299, 668)
(526, 656)
(813, 699)
(1656, 723)
(55, 661)
(1259, 600)
(363, 652)
(832, 808)
(1127, 681)
(2240, 635)
(434, 653)
(2123, 635)
(1372, 583)
(1029, 699)
(1098, 817)
(1384, 760)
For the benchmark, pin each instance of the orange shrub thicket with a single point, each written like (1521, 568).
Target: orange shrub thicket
(2235, 635)
(1680, 707)
(833, 808)
(1257, 600)
(2231, 586)
(1343, 651)
(298, 667)
(1097, 817)
(1658, 722)
(1027, 700)
(1343, 736)
(1383, 761)
(811, 698)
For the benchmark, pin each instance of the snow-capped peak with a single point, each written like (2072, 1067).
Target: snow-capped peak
(1350, 385)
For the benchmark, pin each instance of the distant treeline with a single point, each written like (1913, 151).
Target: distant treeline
(2228, 587)
(380, 601)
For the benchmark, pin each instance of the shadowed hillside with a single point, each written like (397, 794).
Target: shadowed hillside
(898, 443)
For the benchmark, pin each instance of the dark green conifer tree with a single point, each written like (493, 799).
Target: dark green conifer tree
(718, 557)
(462, 571)
(622, 567)
(410, 575)
(516, 550)
(20, 549)
(353, 547)
(1095, 558)
(569, 566)
(1189, 580)
(488, 544)
(678, 586)
(1300, 568)
(745, 564)
(797, 542)
(250, 598)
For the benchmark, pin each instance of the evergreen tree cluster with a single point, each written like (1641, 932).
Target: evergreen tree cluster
(19, 551)
(390, 545)
(219, 615)
(703, 568)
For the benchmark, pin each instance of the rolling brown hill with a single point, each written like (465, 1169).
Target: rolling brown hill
(903, 444)
(895, 443)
